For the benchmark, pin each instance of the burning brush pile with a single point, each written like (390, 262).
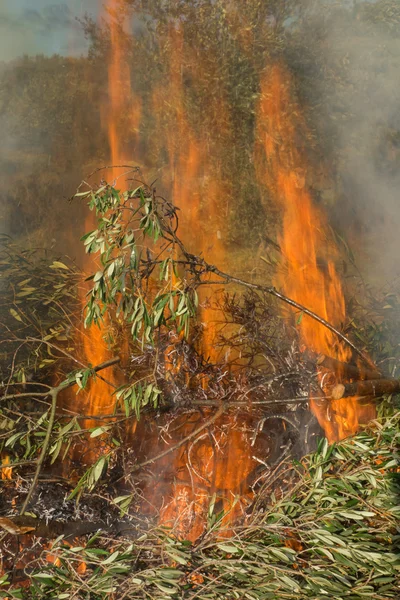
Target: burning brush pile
(169, 458)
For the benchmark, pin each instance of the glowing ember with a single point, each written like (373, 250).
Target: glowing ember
(6, 472)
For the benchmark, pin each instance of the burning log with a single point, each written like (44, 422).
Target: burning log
(346, 370)
(373, 388)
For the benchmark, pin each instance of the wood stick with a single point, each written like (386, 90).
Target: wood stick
(346, 370)
(373, 388)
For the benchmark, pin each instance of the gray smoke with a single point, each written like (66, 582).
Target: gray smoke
(359, 81)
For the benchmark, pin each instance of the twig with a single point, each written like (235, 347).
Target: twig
(54, 394)
(46, 442)
(208, 268)
(346, 370)
(274, 292)
(183, 441)
(373, 388)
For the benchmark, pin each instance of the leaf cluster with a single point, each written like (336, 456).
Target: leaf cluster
(333, 534)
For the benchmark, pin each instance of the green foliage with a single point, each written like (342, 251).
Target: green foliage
(135, 396)
(39, 298)
(335, 534)
(91, 477)
(132, 229)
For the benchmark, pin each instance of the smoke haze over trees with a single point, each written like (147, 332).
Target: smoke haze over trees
(344, 61)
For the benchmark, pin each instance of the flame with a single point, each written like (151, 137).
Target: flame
(198, 188)
(211, 469)
(122, 101)
(6, 472)
(196, 183)
(309, 275)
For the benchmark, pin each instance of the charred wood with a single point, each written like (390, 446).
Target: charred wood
(373, 388)
(347, 370)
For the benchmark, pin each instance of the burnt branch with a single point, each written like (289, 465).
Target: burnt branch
(347, 370)
(373, 388)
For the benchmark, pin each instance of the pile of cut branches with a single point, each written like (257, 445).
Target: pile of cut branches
(325, 526)
(334, 535)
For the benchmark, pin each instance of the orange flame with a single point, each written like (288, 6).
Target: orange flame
(197, 188)
(210, 468)
(196, 183)
(6, 472)
(309, 274)
(123, 102)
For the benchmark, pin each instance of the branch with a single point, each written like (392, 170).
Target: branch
(346, 370)
(54, 394)
(43, 454)
(194, 260)
(189, 437)
(274, 292)
(374, 388)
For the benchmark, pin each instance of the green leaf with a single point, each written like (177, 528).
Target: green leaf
(229, 548)
(15, 314)
(98, 469)
(59, 265)
(111, 558)
(100, 430)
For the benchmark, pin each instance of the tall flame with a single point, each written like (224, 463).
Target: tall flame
(195, 183)
(123, 103)
(308, 274)
(197, 188)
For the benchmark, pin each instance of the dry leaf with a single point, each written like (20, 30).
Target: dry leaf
(12, 528)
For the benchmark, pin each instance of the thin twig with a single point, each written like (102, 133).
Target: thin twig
(54, 394)
(183, 441)
(208, 268)
(45, 446)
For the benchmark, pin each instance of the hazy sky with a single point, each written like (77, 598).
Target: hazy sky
(43, 26)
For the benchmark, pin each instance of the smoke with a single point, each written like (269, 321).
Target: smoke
(48, 28)
(357, 78)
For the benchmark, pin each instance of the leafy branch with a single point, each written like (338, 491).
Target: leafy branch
(137, 238)
(52, 393)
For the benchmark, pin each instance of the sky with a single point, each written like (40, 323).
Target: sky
(43, 27)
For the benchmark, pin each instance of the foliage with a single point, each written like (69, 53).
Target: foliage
(333, 534)
(50, 118)
(39, 299)
(130, 226)
(307, 544)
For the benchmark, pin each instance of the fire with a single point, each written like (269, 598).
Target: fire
(196, 183)
(309, 275)
(123, 102)
(6, 472)
(211, 469)
(223, 459)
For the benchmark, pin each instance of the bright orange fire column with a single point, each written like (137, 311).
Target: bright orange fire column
(97, 399)
(197, 189)
(308, 274)
(123, 103)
